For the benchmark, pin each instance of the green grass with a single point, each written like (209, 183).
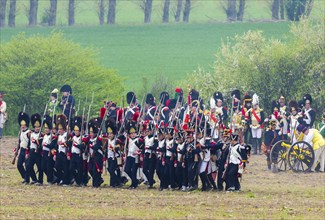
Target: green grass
(149, 50)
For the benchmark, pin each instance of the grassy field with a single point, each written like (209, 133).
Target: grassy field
(264, 196)
(149, 50)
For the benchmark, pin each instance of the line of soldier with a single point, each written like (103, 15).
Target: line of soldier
(180, 143)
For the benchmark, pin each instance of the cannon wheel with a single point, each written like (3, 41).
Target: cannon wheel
(301, 157)
(278, 155)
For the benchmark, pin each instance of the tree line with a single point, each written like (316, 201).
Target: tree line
(180, 10)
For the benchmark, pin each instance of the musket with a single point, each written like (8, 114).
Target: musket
(232, 111)
(122, 119)
(141, 113)
(158, 107)
(88, 114)
(65, 104)
(78, 108)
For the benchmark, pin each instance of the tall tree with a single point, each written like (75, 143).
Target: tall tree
(178, 10)
(12, 14)
(147, 11)
(165, 18)
(33, 7)
(275, 9)
(111, 16)
(101, 12)
(241, 10)
(231, 10)
(187, 10)
(71, 11)
(3, 4)
(281, 2)
(52, 12)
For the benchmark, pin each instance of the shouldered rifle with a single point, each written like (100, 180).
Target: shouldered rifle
(232, 111)
(65, 103)
(77, 108)
(141, 113)
(18, 145)
(88, 114)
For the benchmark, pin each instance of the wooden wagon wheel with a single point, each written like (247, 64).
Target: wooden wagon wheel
(301, 157)
(278, 154)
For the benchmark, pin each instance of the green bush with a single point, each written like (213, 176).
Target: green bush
(269, 67)
(30, 68)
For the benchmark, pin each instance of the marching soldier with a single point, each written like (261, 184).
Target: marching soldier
(60, 156)
(164, 112)
(23, 144)
(67, 101)
(47, 159)
(132, 108)
(54, 103)
(247, 104)
(151, 108)
(256, 118)
(161, 160)
(133, 145)
(95, 152)
(223, 145)
(34, 152)
(77, 147)
(3, 113)
(170, 157)
(237, 158)
(181, 171)
(113, 154)
(219, 115)
(53, 147)
(308, 113)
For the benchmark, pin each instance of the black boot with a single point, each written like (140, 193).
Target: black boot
(204, 180)
(212, 181)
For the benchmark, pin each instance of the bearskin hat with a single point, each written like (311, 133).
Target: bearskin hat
(275, 105)
(94, 125)
(194, 94)
(164, 97)
(110, 126)
(47, 122)
(77, 123)
(172, 103)
(170, 130)
(180, 135)
(61, 121)
(131, 127)
(36, 120)
(306, 98)
(218, 95)
(293, 105)
(300, 104)
(235, 94)
(247, 99)
(131, 97)
(150, 100)
(161, 130)
(149, 126)
(23, 119)
(66, 88)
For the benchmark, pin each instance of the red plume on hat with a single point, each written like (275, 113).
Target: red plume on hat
(135, 116)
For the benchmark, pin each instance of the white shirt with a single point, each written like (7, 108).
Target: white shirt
(46, 141)
(76, 141)
(235, 157)
(133, 148)
(161, 144)
(169, 145)
(149, 142)
(62, 139)
(110, 148)
(24, 139)
(34, 137)
(179, 148)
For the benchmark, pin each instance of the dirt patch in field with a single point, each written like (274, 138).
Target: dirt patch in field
(264, 195)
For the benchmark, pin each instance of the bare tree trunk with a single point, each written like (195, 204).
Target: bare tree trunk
(309, 7)
(111, 12)
(52, 12)
(231, 10)
(275, 10)
(178, 10)
(241, 10)
(71, 12)
(165, 18)
(187, 10)
(33, 12)
(12, 14)
(281, 9)
(3, 4)
(147, 11)
(101, 13)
